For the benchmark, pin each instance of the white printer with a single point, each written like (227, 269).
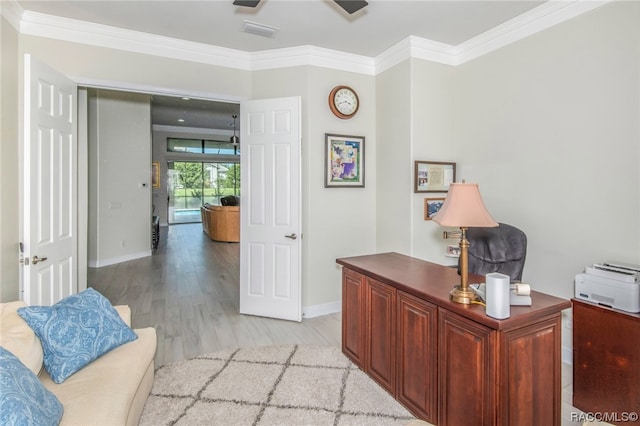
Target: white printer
(610, 284)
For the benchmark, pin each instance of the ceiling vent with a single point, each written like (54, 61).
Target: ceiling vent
(258, 29)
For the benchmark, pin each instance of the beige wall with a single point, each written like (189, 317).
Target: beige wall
(549, 128)
(119, 181)
(98, 66)
(394, 185)
(9, 161)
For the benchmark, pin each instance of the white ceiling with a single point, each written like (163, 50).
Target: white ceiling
(320, 23)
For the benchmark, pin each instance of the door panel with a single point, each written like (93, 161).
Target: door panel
(270, 209)
(49, 205)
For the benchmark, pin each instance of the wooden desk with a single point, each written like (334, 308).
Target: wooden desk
(448, 363)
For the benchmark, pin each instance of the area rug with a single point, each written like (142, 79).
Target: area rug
(273, 385)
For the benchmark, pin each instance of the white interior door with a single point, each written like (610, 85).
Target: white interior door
(49, 186)
(270, 208)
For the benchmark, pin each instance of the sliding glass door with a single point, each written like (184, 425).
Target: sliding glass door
(191, 184)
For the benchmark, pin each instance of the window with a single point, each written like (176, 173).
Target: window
(201, 146)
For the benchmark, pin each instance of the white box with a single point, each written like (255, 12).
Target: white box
(608, 292)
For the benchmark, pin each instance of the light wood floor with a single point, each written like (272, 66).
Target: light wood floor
(188, 291)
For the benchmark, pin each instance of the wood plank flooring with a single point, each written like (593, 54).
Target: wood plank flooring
(188, 291)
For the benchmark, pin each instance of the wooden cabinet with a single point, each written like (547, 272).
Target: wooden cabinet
(466, 367)
(380, 314)
(606, 361)
(417, 340)
(353, 320)
(368, 326)
(450, 364)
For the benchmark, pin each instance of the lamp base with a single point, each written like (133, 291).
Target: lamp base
(460, 295)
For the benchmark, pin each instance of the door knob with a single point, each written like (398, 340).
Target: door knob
(292, 236)
(37, 259)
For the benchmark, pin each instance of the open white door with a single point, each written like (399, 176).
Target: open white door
(270, 209)
(49, 186)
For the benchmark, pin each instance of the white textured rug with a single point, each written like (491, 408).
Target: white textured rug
(273, 385)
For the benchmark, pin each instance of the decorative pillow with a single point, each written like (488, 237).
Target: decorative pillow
(23, 399)
(76, 331)
(18, 338)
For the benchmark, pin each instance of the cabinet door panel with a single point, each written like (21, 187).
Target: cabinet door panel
(531, 374)
(606, 360)
(417, 357)
(467, 373)
(381, 329)
(353, 308)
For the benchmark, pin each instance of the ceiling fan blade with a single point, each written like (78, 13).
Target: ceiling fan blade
(351, 6)
(246, 3)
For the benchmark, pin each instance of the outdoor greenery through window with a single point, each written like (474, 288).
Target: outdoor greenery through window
(192, 184)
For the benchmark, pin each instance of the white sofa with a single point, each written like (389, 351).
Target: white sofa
(111, 390)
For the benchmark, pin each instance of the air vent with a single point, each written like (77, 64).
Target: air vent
(258, 29)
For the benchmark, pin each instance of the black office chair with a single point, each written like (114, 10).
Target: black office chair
(500, 249)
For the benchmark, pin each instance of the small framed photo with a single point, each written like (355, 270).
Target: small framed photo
(431, 207)
(453, 250)
(344, 161)
(155, 174)
(433, 176)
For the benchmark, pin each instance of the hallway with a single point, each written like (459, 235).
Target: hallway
(188, 291)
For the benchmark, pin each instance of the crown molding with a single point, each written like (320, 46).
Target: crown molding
(48, 26)
(542, 17)
(312, 55)
(536, 20)
(415, 47)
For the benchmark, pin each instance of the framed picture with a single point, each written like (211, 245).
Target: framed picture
(155, 174)
(431, 207)
(433, 176)
(344, 161)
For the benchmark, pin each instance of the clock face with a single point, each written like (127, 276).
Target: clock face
(343, 102)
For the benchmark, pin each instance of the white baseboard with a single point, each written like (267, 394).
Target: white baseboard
(324, 309)
(114, 260)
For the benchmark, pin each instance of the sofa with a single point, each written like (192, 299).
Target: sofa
(221, 223)
(110, 390)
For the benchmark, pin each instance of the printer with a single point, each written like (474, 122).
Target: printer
(610, 284)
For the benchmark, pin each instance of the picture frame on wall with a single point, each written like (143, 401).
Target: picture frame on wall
(155, 174)
(343, 161)
(433, 176)
(432, 206)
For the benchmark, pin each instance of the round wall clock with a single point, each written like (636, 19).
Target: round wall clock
(343, 102)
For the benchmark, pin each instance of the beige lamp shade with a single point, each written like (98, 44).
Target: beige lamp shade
(463, 207)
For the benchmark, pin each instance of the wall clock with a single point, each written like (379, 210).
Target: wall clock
(343, 102)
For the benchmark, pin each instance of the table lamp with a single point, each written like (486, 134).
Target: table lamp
(463, 208)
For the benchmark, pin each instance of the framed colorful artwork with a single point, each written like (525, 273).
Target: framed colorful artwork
(344, 161)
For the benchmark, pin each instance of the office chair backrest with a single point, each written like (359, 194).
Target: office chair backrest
(501, 249)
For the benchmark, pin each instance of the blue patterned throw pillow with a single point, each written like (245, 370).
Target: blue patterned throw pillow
(23, 399)
(76, 331)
